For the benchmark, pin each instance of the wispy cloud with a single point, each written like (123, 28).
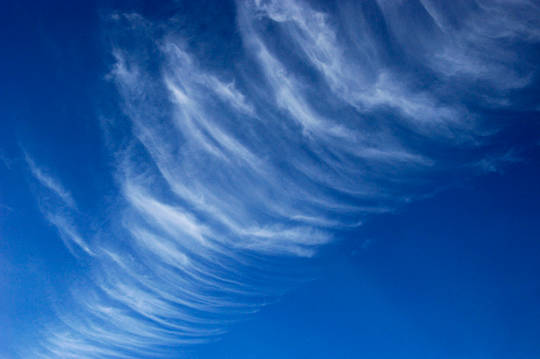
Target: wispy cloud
(225, 175)
(68, 232)
(5, 160)
(59, 215)
(49, 182)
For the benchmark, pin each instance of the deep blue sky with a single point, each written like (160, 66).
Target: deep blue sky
(461, 284)
(420, 120)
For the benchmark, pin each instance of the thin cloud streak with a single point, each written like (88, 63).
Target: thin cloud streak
(60, 216)
(68, 233)
(49, 182)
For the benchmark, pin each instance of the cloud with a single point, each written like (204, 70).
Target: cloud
(224, 175)
(5, 160)
(478, 47)
(68, 233)
(356, 80)
(59, 216)
(47, 181)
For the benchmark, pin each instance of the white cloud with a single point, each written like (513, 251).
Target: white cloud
(225, 175)
(68, 232)
(49, 182)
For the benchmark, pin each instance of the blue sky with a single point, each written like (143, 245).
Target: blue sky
(269, 179)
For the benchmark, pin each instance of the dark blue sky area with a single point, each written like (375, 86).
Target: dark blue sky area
(460, 284)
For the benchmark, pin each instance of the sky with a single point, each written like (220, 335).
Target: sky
(270, 179)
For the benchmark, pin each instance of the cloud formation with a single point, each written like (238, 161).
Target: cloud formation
(224, 174)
